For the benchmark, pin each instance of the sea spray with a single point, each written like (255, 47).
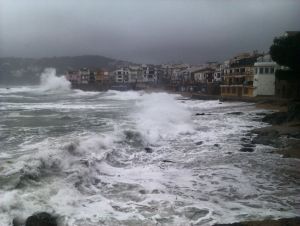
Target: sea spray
(160, 116)
(51, 82)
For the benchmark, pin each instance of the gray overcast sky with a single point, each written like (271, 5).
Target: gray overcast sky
(151, 31)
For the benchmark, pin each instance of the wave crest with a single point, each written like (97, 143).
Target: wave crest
(51, 82)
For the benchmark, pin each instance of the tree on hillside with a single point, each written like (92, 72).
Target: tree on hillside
(285, 51)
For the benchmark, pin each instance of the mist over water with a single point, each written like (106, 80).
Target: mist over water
(81, 155)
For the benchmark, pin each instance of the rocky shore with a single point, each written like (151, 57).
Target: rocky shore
(283, 132)
(281, 222)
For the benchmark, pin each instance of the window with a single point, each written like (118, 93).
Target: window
(261, 70)
(233, 89)
(272, 70)
(256, 70)
(266, 70)
(242, 70)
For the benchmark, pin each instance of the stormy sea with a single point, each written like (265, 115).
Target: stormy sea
(136, 158)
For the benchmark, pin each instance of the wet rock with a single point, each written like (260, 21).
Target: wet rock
(276, 118)
(41, 219)
(286, 155)
(155, 191)
(294, 112)
(267, 136)
(148, 150)
(168, 161)
(200, 114)
(261, 113)
(235, 113)
(72, 149)
(280, 222)
(194, 213)
(142, 192)
(199, 143)
(248, 145)
(18, 221)
(245, 139)
(244, 149)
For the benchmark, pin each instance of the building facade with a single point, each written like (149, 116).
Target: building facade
(264, 77)
(239, 76)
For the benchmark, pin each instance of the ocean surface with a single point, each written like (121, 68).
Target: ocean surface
(136, 158)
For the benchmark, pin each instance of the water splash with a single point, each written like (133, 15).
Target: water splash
(161, 117)
(51, 82)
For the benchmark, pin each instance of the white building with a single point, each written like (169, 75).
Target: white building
(84, 75)
(264, 77)
(121, 75)
(218, 73)
(136, 74)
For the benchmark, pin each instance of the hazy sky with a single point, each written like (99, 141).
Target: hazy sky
(151, 31)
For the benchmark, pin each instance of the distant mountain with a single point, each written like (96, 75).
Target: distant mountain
(28, 70)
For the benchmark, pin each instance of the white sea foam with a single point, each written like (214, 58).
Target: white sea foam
(128, 95)
(160, 116)
(106, 177)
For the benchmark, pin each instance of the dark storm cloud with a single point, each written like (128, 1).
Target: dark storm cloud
(143, 31)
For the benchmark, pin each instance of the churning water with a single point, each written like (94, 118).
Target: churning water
(135, 158)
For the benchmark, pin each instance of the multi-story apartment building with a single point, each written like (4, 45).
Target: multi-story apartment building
(239, 76)
(84, 75)
(101, 76)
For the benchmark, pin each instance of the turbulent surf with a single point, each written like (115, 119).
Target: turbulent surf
(135, 158)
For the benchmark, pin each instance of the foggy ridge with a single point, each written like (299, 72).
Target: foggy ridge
(15, 70)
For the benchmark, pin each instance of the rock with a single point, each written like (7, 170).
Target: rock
(248, 145)
(148, 150)
(267, 136)
(194, 213)
(246, 149)
(276, 118)
(233, 224)
(245, 139)
(261, 113)
(294, 112)
(280, 222)
(199, 143)
(166, 160)
(200, 114)
(18, 221)
(217, 145)
(41, 219)
(235, 113)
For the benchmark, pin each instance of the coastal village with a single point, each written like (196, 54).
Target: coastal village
(245, 75)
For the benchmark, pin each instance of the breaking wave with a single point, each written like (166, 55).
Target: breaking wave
(161, 117)
(51, 82)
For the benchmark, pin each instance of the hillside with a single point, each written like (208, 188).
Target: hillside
(27, 70)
